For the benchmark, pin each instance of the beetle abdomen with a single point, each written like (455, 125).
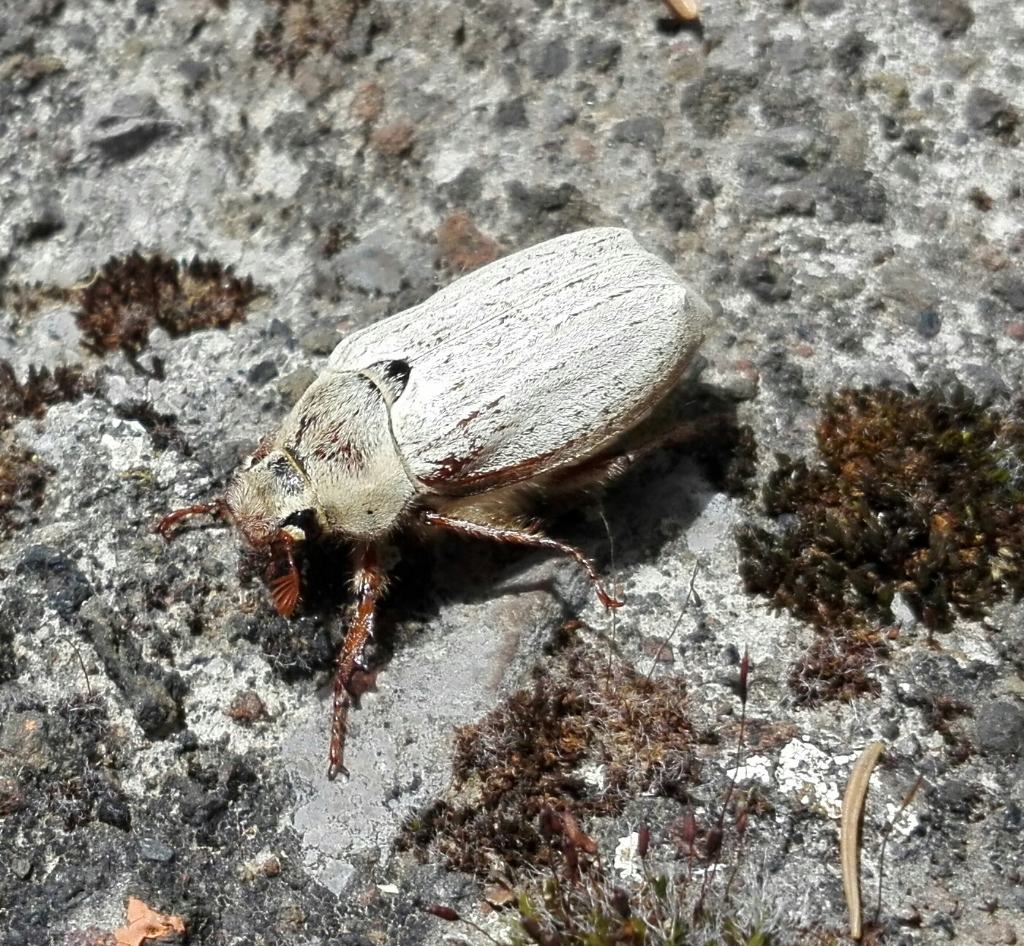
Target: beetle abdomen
(534, 362)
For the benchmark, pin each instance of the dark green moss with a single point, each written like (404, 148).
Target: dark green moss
(914, 494)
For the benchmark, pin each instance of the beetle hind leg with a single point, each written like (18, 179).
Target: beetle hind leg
(520, 536)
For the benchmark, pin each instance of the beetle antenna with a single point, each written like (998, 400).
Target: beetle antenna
(218, 508)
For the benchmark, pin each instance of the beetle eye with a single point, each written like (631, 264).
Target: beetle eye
(302, 519)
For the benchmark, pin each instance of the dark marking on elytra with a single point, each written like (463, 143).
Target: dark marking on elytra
(473, 415)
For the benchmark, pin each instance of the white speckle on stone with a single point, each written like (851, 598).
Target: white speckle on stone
(756, 769)
(627, 861)
(105, 556)
(449, 163)
(276, 174)
(128, 445)
(802, 770)
(388, 890)
(905, 823)
(976, 645)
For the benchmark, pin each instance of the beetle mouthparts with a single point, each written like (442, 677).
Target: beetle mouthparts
(284, 592)
(283, 578)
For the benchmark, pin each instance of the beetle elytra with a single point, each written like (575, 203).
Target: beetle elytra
(518, 380)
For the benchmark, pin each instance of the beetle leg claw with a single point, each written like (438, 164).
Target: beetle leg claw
(610, 602)
(335, 769)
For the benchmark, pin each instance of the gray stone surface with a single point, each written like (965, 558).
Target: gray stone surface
(844, 180)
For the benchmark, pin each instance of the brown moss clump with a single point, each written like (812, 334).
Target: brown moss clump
(463, 246)
(532, 754)
(41, 389)
(131, 294)
(839, 665)
(22, 482)
(24, 299)
(665, 908)
(162, 428)
(914, 494)
(302, 28)
(22, 475)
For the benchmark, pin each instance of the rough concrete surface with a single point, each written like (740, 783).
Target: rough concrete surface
(844, 179)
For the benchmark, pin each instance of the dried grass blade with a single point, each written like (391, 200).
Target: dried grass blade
(849, 831)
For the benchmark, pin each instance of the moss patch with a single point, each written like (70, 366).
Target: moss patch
(301, 28)
(22, 475)
(543, 749)
(162, 428)
(24, 299)
(132, 294)
(914, 494)
(22, 483)
(659, 911)
(40, 390)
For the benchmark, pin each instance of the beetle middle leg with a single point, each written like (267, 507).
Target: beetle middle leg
(369, 582)
(515, 536)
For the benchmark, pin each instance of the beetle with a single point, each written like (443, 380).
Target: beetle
(518, 380)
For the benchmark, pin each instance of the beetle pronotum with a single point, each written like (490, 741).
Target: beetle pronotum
(518, 380)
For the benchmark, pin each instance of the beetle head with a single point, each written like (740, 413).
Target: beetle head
(272, 503)
(270, 500)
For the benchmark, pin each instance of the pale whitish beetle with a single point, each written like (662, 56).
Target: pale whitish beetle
(518, 380)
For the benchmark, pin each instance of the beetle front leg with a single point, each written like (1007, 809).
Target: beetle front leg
(166, 525)
(369, 580)
(536, 540)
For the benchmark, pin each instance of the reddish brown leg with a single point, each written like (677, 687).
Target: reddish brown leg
(521, 537)
(166, 525)
(369, 582)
